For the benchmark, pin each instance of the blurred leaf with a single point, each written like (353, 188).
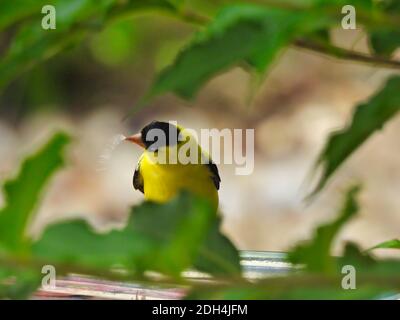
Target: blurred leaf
(115, 44)
(32, 44)
(75, 243)
(159, 237)
(354, 256)
(238, 33)
(322, 35)
(303, 287)
(42, 91)
(17, 283)
(88, 12)
(375, 279)
(75, 19)
(177, 3)
(67, 11)
(366, 264)
(12, 11)
(132, 5)
(358, 4)
(391, 244)
(315, 254)
(385, 41)
(22, 194)
(367, 119)
(167, 52)
(218, 256)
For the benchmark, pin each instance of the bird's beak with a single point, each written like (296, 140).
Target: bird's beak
(137, 139)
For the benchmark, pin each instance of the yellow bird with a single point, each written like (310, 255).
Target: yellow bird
(173, 161)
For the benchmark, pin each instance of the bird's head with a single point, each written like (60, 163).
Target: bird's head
(156, 135)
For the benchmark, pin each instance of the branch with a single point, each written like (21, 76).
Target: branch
(345, 54)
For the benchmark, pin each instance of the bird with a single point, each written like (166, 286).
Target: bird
(173, 161)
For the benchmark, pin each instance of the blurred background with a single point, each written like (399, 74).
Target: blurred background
(88, 90)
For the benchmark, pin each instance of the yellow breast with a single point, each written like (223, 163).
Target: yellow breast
(164, 181)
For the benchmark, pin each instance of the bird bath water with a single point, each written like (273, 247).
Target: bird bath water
(255, 264)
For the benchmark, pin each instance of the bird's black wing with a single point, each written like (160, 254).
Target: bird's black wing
(214, 173)
(138, 183)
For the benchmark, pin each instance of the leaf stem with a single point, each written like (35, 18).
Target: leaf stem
(345, 54)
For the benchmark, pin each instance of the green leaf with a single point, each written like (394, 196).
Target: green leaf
(391, 244)
(177, 3)
(375, 279)
(218, 256)
(366, 264)
(338, 4)
(115, 44)
(67, 11)
(22, 193)
(322, 35)
(32, 44)
(368, 118)
(18, 283)
(13, 11)
(315, 254)
(384, 41)
(158, 237)
(239, 33)
(280, 291)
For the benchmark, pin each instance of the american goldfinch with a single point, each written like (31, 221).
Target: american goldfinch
(173, 161)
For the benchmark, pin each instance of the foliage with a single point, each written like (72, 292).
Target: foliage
(115, 44)
(22, 195)
(390, 244)
(261, 30)
(367, 119)
(18, 282)
(23, 192)
(383, 41)
(262, 33)
(315, 254)
(298, 287)
(76, 19)
(320, 275)
(169, 238)
(166, 238)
